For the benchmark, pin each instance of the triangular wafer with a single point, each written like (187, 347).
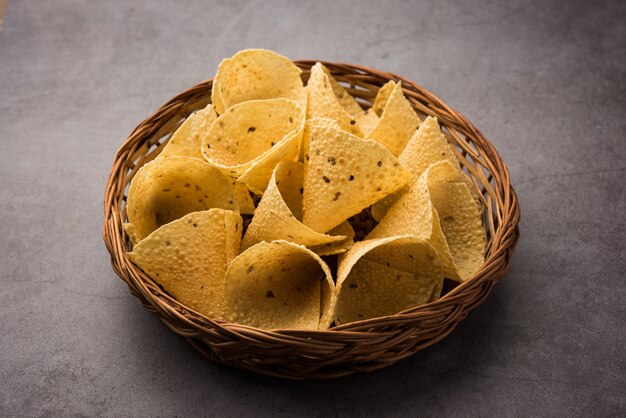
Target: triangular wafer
(185, 142)
(168, 188)
(278, 285)
(397, 123)
(323, 103)
(189, 258)
(279, 213)
(439, 208)
(384, 276)
(382, 96)
(256, 74)
(427, 146)
(345, 174)
(345, 99)
(252, 137)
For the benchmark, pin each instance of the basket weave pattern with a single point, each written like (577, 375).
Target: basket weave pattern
(357, 347)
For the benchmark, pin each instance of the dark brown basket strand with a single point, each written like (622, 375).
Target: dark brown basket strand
(356, 347)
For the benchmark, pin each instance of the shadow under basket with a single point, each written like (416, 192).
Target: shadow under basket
(356, 347)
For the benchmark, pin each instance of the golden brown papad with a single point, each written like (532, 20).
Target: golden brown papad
(345, 174)
(279, 214)
(248, 131)
(257, 177)
(189, 258)
(382, 96)
(168, 188)
(323, 103)
(439, 208)
(278, 285)
(397, 123)
(367, 122)
(256, 74)
(426, 147)
(185, 142)
(384, 276)
(306, 137)
(344, 98)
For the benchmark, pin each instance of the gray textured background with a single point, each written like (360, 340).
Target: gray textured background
(545, 81)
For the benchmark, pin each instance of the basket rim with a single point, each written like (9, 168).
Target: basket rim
(198, 325)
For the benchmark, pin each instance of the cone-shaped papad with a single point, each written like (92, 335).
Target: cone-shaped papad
(382, 96)
(385, 276)
(439, 208)
(345, 174)
(279, 214)
(346, 101)
(189, 258)
(426, 147)
(280, 284)
(168, 188)
(323, 103)
(249, 139)
(256, 74)
(186, 140)
(397, 123)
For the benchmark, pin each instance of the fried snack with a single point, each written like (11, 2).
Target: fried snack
(189, 258)
(278, 285)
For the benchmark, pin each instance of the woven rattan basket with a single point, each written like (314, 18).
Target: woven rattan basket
(356, 347)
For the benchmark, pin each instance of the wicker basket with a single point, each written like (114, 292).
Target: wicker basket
(357, 347)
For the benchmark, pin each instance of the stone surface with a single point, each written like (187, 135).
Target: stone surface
(545, 81)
